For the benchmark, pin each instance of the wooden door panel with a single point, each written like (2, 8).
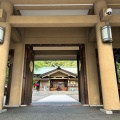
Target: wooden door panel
(27, 76)
(83, 88)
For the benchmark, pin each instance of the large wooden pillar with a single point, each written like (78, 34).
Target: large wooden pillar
(4, 49)
(17, 75)
(107, 67)
(93, 86)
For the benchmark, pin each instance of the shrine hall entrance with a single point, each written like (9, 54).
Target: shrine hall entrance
(63, 85)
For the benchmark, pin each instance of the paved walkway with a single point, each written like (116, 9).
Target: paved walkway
(38, 95)
(57, 98)
(57, 107)
(56, 113)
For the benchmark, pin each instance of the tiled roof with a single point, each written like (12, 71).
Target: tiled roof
(48, 69)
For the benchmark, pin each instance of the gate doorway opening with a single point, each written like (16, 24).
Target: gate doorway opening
(54, 52)
(8, 77)
(116, 53)
(66, 52)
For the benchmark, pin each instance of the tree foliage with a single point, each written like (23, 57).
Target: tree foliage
(118, 71)
(51, 63)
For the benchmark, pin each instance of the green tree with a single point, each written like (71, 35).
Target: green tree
(38, 64)
(7, 75)
(118, 71)
(53, 63)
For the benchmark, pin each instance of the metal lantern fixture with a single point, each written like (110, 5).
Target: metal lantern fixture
(106, 33)
(2, 30)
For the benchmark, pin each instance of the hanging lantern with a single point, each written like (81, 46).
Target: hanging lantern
(106, 33)
(2, 34)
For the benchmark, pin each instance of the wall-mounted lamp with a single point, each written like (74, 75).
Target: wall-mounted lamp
(106, 33)
(2, 30)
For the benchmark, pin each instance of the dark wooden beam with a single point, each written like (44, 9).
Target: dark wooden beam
(55, 52)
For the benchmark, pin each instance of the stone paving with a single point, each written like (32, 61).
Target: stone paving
(68, 110)
(56, 98)
(56, 113)
(37, 95)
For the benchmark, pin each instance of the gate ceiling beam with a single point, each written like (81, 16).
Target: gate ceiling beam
(52, 1)
(115, 20)
(55, 52)
(53, 21)
(60, 6)
(57, 4)
(59, 21)
(52, 7)
(60, 1)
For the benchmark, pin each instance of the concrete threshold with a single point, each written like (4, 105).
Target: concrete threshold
(96, 105)
(3, 110)
(11, 106)
(85, 105)
(106, 111)
(110, 111)
(23, 105)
